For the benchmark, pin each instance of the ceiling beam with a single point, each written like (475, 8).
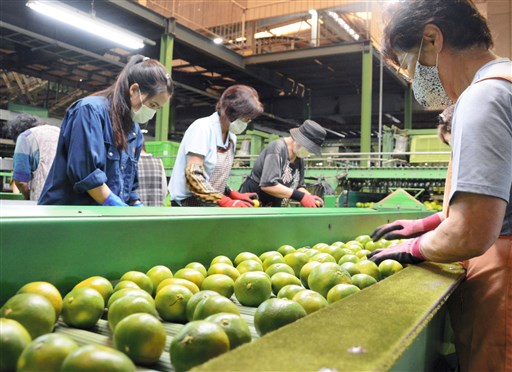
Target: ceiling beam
(141, 11)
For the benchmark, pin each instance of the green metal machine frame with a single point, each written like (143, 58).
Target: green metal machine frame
(64, 245)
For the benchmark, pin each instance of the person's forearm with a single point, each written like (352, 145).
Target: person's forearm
(100, 193)
(278, 191)
(23, 188)
(472, 227)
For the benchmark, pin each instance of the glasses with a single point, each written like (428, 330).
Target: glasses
(401, 67)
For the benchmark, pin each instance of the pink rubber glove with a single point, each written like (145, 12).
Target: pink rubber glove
(401, 229)
(312, 201)
(409, 252)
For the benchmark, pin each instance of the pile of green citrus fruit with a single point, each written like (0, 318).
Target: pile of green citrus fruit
(283, 285)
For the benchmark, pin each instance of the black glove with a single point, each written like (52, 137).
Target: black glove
(409, 252)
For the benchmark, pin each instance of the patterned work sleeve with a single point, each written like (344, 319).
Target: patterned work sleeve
(198, 184)
(23, 159)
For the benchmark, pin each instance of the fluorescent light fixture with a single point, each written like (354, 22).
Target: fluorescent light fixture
(218, 40)
(89, 23)
(344, 25)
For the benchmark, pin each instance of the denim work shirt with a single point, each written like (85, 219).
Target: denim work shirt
(87, 157)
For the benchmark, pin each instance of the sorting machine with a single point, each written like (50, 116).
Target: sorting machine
(394, 324)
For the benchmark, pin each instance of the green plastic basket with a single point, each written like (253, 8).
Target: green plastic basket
(166, 150)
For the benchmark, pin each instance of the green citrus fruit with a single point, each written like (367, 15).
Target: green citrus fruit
(296, 260)
(221, 259)
(350, 267)
(322, 257)
(195, 299)
(235, 327)
(14, 338)
(334, 250)
(124, 284)
(184, 282)
(244, 256)
(285, 249)
(141, 279)
(197, 342)
(290, 290)
(190, 274)
(125, 306)
(252, 288)
(281, 279)
(363, 280)
(267, 254)
(171, 302)
(348, 258)
(272, 259)
(129, 292)
(82, 307)
(279, 268)
(97, 358)
(214, 305)
(157, 274)
(249, 265)
(310, 252)
(197, 266)
(99, 283)
(275, 313)
(369, 267)
(46, 353)
(220, 283)
(305, 271)
(47, 290)
(223, 268)
(389, 267)
(363, 239)
(320, 246)
(310, 300)
(32, 311)
(325, 276)
(140, 336)
(341, 291)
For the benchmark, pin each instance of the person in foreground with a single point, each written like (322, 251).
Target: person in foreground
(278, 174)
(100, 140)
(445, 47)
(206, 153)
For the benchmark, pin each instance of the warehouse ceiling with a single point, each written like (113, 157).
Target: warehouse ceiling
(47, 64)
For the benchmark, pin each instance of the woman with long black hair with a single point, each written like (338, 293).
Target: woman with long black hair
(100, 140)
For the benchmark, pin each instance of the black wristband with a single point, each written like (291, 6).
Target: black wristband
(297, 195)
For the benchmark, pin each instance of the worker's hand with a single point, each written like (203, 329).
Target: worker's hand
(227, 202)
(113, 200)
(408, 252)
(401, 229)
(312, 201)
(249, 197)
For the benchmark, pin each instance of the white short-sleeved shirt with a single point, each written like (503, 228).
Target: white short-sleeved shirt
(202, 137)
(482, 137)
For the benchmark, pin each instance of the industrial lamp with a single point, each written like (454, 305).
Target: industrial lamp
(89, 23)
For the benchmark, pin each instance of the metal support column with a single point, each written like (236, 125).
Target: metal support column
(366, 101)
(162, 116)
(408, 109)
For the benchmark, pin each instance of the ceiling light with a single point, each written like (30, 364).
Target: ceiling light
(89, 23)
(218, 40)
(344, 25)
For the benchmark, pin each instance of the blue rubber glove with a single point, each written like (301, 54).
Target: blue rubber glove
(114, 201)
(408, 252)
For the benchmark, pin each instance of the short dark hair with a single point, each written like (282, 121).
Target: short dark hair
(22, 122)
(239, 101)
(460, 22)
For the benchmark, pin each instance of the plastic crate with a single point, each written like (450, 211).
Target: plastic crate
(166, 150)
(428, 143)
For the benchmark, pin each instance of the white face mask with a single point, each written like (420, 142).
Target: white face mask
(427, 87)
(238, 126)
(301, 152)
(144, 114)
